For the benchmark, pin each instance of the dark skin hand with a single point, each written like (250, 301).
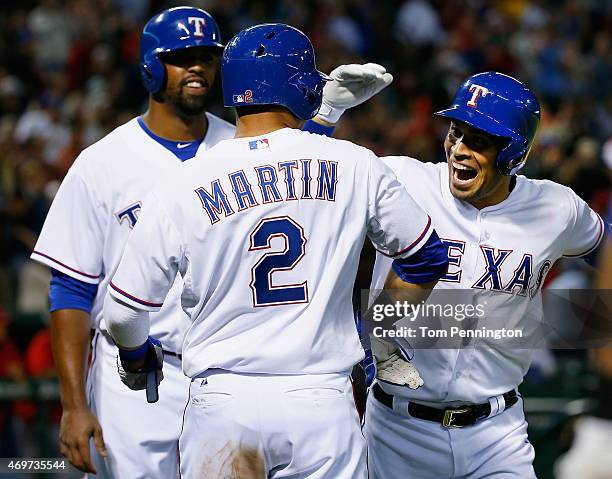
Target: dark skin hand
(70, 335)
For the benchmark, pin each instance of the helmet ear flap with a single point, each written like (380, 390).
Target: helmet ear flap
(158, 73)
(152, 72)
(311, 86)
(513, 156)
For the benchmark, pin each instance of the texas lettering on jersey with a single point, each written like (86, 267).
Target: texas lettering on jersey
(519, 282)
(304, 179)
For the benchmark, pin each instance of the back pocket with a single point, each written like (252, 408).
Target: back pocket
(210, 398)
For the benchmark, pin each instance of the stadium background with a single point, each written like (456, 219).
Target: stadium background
(69, 75)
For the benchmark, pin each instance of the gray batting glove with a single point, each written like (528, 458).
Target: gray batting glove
(351, 86)
(147, 377)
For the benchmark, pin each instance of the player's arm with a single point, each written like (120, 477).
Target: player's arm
(140, 359)
(585, 234)
(409, 281)
(70, 244)
(351, 86)
(70, 304)
(401, 230)
(151, 259)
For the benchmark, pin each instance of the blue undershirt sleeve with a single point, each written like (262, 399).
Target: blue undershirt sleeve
(428, 264)
(65, 292)
(314, 127)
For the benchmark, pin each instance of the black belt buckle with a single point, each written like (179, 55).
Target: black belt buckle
(448, 420)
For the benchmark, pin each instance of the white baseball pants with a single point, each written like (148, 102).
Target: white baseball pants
(261, 426)
(407, 447)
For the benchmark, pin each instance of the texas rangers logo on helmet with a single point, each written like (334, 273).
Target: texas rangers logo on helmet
(477, 91)
(199, 24)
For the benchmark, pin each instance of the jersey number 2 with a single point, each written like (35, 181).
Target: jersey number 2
(264, 292)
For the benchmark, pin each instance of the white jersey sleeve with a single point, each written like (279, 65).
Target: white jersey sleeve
(392, 232)
(585, 228)
(72, 236)
(151, 259)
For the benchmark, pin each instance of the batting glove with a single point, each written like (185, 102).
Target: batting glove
(351, 86)
(149, 375)
(393, 364)
(368, 364)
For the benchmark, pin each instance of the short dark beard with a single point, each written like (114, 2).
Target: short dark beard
(188, 106)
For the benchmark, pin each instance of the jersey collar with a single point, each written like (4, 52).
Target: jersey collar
(183, 150)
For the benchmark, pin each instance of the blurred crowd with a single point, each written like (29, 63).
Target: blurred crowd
(69, 75)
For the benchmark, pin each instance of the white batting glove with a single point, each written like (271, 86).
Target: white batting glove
(396, 370)
(351, 86)
(393, 365)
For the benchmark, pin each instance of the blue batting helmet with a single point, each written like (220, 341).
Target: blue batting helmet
(272, 64)
(501, 106)
(174, 29)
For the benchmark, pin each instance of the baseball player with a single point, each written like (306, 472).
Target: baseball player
(91, 219)
(266, 235)
(502, 232)
(82, 239)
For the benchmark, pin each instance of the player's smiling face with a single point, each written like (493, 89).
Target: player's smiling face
(473, 177)
(190, 75)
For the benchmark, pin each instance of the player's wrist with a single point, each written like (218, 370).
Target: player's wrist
(322, 122)
(75, 409)
(134, 359)
(73, 397)
(72, 406)
(133, 354)
(328, 115)
(141, 358)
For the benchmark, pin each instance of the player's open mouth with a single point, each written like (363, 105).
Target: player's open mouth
(462, 173)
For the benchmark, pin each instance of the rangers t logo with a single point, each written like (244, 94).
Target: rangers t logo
(199, 23)
(477, 91)
(130, 214)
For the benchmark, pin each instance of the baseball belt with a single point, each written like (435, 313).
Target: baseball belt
(108, 337)
(457, 417)
(173, 354)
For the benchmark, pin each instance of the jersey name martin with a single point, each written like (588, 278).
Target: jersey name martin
(519, 282)
(304, 179)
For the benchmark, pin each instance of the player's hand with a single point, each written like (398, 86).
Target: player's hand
(393, 364)
(352, 85)
(396, 370)
(76, 427)
(368, 364)
(145, 372)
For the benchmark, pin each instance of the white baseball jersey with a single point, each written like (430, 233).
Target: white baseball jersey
(508, 247)
(267, 235)
(97, 206)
